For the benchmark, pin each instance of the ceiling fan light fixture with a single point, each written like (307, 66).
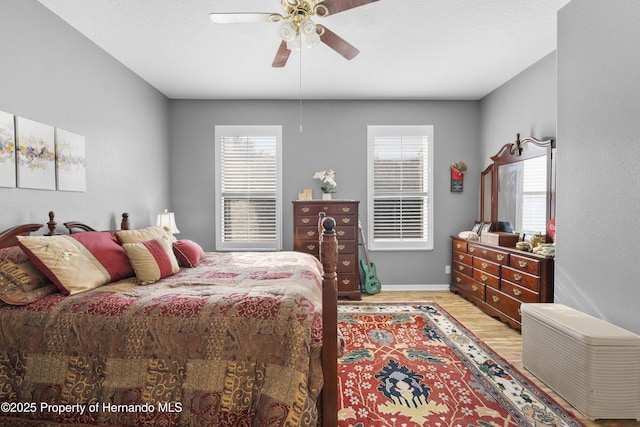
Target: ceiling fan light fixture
(288, 31)
(294, 45)
(311, 40)
(307, 26)
(297, 29)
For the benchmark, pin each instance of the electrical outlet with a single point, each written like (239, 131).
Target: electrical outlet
(447, 269)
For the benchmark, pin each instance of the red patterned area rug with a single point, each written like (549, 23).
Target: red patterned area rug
(415, 365)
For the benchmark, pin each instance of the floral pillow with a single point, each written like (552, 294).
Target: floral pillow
(78, 262)
(20, 281)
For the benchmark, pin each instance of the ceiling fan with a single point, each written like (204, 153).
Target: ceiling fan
(298, 29)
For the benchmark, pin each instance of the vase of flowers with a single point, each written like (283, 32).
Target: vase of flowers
(328, 179)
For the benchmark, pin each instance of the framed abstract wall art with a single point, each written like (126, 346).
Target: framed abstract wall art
(70, 161)
(7, 150)
(35, 155)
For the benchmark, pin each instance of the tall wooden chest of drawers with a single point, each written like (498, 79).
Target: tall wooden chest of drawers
(498, 279)
(305, 238)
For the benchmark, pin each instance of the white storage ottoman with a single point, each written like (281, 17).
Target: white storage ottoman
(591, 363)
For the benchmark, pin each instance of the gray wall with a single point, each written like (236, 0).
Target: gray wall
(590, 87)
(52, 74)
(334, 136)
(525, 104)
(597, 267)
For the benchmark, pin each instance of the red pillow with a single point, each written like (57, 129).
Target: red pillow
(188, 253)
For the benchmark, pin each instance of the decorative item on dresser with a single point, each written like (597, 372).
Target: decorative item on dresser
(305, 238)
(498, 279)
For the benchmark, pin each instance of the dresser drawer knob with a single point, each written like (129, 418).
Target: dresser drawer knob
(472, 250)
(461, 257)
(517, 277)
(495, 298)
(458, 246)
(341, 247)
(517, 292)
(346, 220)
(500, 257)
(311, 233)
(305, 209)
(523, 264)
(311, 247)
(346, 209)
(340, 233)
(346, 281)
(484, 265)
(458, 280)
(346, 262)
(474, 288)
(483, 278)
(461, 267)
(305, 220)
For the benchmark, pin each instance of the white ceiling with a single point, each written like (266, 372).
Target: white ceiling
(409, 49)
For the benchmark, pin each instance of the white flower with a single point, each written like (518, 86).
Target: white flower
(328, 178)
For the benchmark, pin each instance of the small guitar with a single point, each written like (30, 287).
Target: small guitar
(371, 283)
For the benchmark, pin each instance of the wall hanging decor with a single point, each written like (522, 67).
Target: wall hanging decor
(70, 161)
(7, 150)
(457, 176)
(35, 155)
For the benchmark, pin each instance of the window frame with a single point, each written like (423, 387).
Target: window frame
(422, 244)
(222, 131)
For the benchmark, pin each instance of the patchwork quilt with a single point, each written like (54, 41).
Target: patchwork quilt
(233, 342)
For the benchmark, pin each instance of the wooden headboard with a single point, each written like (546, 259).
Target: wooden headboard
(8, 236)
(79, 227)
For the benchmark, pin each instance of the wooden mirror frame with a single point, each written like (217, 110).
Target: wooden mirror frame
(485, 190)
(520, 150)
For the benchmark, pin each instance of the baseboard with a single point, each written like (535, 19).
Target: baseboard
(409, 287)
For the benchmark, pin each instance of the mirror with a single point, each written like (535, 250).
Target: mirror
(521, 191)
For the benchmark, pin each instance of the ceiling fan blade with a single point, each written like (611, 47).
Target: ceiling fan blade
(281, 56)
(331, 7)
(337, 43)
(234, 18)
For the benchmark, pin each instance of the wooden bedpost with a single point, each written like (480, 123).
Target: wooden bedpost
(124, 224)
(52, 224)
(329, 259)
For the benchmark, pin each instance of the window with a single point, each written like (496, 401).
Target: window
(400, 210)
(248, 187)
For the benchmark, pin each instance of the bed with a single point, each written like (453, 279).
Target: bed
(237, 339)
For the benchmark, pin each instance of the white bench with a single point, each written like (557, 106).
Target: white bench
(591, 363)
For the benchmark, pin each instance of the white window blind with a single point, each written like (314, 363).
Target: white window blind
(400, 187)
(248, 187)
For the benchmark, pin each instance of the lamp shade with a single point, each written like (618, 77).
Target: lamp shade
(167, 220)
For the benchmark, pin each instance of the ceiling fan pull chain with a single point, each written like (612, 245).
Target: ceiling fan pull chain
(300, 87)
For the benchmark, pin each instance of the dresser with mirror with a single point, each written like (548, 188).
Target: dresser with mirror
(517, 194)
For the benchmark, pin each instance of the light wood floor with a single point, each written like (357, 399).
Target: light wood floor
(499, 336)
